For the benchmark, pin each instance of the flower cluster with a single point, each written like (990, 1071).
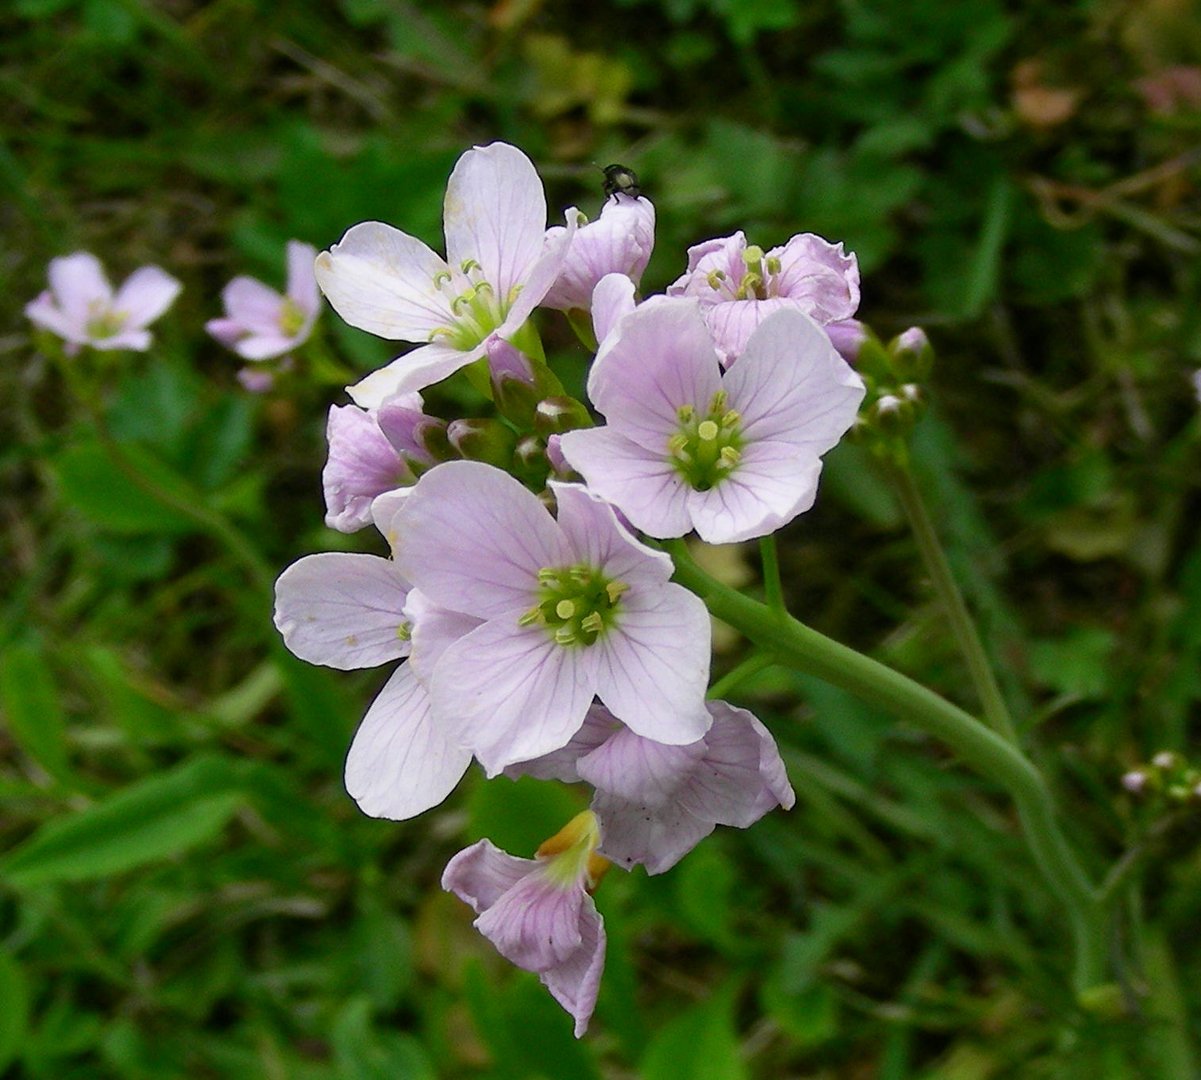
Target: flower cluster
(525, 596)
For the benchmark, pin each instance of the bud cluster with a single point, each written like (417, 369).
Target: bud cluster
(894, 374)
(1167, 778)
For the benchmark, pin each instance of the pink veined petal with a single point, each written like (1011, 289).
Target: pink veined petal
(536, 923)
(659, 358)
(657, 837)
(575, 982)
(495, 213)
(791, 385)
(382, 281)
(642, 485)
(435, 629)
(302, 277)
(415, 370)
(654, 664)
(145, 295)
(362, 465)
(847, 336)
(512, 693)
(539, 277)
(732, 323)
(640, 770)
(820, 275)
(597, 538)
(481, 874)
(342, 610)
(384, 510)
(619, 241)
(400, 762)
(612, 299)
(474, 539)
(263, 346)
(723, 253)
(560, 764)
(79, 283)
(253, 304)
(771, 485)
(43, 311)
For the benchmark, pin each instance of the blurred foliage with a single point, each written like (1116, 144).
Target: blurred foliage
(187, 891)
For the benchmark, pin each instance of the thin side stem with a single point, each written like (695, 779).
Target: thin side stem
(737, 675)
(773, 589)
(996, 712)
(982, 749)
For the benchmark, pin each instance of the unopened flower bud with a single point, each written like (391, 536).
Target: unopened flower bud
(1135, 781)
(558, 414)
(1165, 760)
(489, 441)
(910, 354)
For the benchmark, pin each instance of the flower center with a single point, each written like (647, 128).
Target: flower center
(570, 855)
(475, 308)
(759, 280)
(708, 447)
(104, 322)
(291, 318)
(576, 604)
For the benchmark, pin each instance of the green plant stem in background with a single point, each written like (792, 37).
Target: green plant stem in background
(773, 589)
(737, 675)
(804, 649)
(195, 509)
(963, 628)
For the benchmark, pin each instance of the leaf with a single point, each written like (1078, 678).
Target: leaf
(32, 707)
(147, 821)
(14, 1013)
(701, 1044)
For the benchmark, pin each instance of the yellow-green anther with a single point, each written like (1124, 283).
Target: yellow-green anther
(565, 635)
(442, 277)
(467, 265)
(592, 624)
(753, 255)
(731, 418)
(548, 575)
(441, 330)
(614, 590)
(291, 318)
(580, 575)
(462, 301)
(404, 631)
(720, 400)
(565, 609)
(534, 615)
(750, 286)
(707, 431)
(773, 264)
(685, 414)
(715, 278)
(514, 293)
(729, 457)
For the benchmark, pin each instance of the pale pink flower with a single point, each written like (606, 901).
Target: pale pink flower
(733, 454)
(739, 285)
(544, 614)
(496, 272)
(539, 912)
(82, 309)
(260, 323)
(620, 241)
(361, 465)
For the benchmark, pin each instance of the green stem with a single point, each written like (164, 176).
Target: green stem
(963, 628)
(738, 674)
(773, 589)
(804, 649)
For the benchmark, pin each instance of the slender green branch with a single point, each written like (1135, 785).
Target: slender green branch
(986, 752)
(773, 589)
(737, 675)
(963, 628)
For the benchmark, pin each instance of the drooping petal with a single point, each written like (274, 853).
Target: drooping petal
(473, 539)
(640, 770)
(145, 295)
(512, 693)
(612, 299)
(645, 486)
(654, 664)
(361, 466)
(382, 281)
(342, 610)
(401, 763)
(80, 285)
(560, 764)
(620, 241)
(792, 386)
(253, 305)
(657, 837)
(415, 370)
(598, 539)
(481, 874)
(495, 213)
(575, 982)
(302, 277)
(535, 924)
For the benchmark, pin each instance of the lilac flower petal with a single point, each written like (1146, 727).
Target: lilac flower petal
(302, 277)
(402, 419)
(474, 540)
(732, 324)
(847, 336)
(400, 762)
(820, 275)
(384, 510)
(255, 380)
(724, 253)
(44, 312)
(598, 539)
(342, 610)
(225, 330)
(414, 370)
(539, 277)
(619, 241)
(742, 776)
(575, 982)
(512, 693)
(145, 295)
(645, 485)
(495, 213)
(137, 340)
(435, 629)
(361, 466)
(264, 346)
(660, 358)
(560, 764)
(79, 283)
(536, 923)
(654, 665)
(657, 837)
(791, 385)
(254, 305)
(481, 874)
(382, 281)
(630, 767)
(612, 299)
